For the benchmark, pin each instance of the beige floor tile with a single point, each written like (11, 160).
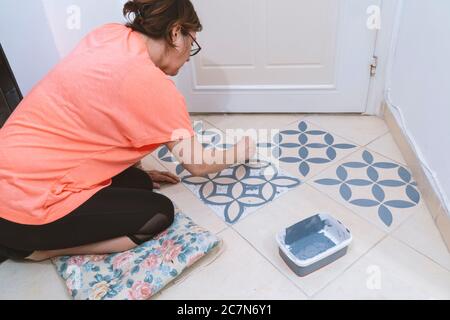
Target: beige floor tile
(410, 263)
(420, 233)
(396, 204)
(252, 121)
(239, 273)
(31, 281)
(261, 228)
(303, 149)
(357, 128)
(386, 146)
(391, 270)
(196, 117)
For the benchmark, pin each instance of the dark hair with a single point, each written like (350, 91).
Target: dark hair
(157, 18)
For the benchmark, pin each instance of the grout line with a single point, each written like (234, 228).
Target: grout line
(212, 125)
(324, 168)
(393, 160)
(270, 262)
(248, 215)
(227, 227)
(358, 147)
(390, 231)
(351, 265)
(340, 161)
(351, 210)
(268, 204)
(375, 139)
(307, 181)
(298, 120)
(416, 250)
(300, 117)
(331, 131)
(422, 254)
(418, 189)
(385, 155)
(288, 171)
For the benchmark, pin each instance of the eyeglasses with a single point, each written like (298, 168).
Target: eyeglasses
(195, 46)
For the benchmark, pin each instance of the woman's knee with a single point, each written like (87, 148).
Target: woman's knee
(161, 211)
(162, 217)
(167, 208)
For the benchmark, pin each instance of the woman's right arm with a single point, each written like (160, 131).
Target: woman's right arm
(201, 162)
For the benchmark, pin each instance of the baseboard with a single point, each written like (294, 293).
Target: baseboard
(431, 198)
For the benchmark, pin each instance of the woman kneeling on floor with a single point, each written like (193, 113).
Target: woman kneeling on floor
(68, 184)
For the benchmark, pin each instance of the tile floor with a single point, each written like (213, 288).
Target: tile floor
(345, 165)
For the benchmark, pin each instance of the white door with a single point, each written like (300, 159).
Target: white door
(280, 56)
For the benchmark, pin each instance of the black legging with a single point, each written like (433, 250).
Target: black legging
(128, 207)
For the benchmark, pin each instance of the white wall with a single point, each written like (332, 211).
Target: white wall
(36, 34)
(63, 17)
(26, 38)
(419, 83)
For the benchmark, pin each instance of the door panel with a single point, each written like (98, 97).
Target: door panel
(280, 56)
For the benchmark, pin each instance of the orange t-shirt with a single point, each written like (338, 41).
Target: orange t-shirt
(99, 111)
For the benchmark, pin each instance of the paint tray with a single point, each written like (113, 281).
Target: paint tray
(313, 243)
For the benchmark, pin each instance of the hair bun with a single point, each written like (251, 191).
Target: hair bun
(131, 7)
(156, 18)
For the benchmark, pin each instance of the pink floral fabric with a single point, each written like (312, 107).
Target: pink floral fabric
(140, 273)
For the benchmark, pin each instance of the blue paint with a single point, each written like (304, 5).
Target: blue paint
(306, 239)
(252, 189)
(379, 188)
(313, 243)
(251, 196)
(305, 148)
(310, 246)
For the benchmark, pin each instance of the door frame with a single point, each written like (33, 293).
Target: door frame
(390, 10)
(382, 46)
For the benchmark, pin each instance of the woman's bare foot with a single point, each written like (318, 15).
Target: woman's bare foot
(38, 256)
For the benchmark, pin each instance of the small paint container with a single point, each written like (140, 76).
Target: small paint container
(313, 243)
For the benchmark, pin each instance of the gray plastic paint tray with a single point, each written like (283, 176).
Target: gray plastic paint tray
(313, 243)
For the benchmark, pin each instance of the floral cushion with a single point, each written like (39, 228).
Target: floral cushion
(140, 273)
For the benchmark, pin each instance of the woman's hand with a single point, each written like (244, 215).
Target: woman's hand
(159, 176)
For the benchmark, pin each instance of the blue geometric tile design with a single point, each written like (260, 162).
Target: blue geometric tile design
(242, 189)
(237, 191)
(296, 147)
(166, 156)
(380, 188)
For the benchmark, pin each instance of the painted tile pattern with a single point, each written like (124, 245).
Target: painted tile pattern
(305, 146)
(237, 191)
(242, 189)
(381, 180)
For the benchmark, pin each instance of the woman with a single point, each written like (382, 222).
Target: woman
(67, 181)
